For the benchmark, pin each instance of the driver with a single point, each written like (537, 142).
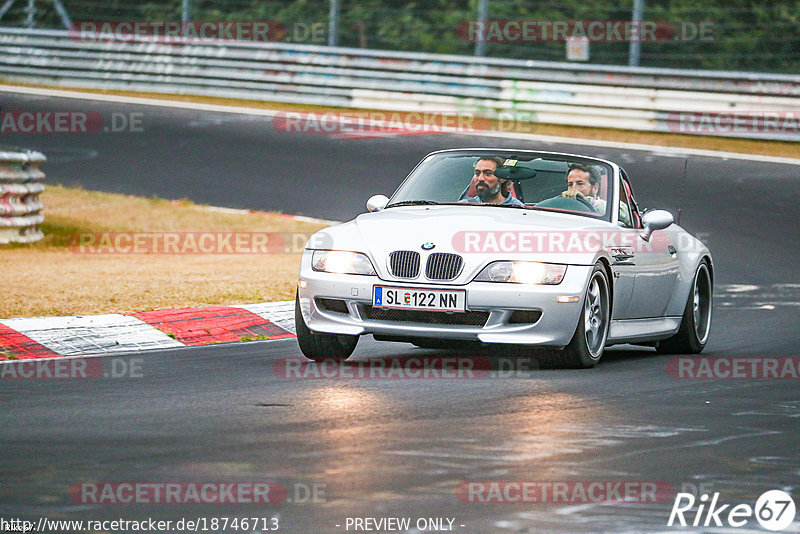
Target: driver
(489, 188)
(583, 181)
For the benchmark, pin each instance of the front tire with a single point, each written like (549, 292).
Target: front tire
(695, 326)
(589, 341)
(321, 347)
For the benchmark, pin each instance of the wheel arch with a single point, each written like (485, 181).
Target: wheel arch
(610, 276)
(707, 259)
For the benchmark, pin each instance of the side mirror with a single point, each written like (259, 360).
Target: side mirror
(655, 220)
(377, 202)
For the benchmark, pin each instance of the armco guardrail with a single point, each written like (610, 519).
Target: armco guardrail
(550, 92)
(20, 206)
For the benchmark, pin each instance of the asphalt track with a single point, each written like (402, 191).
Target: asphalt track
(400, 448)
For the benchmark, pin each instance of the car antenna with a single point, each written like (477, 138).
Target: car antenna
(683, 188)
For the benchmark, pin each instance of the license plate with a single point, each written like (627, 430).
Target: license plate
(406, 298)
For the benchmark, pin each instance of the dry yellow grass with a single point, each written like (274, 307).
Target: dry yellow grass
(53, 276)
(725, 144)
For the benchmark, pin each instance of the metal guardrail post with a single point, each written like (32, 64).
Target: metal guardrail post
(483, 17)
(635, 47)
(21, 182)
(333, 23)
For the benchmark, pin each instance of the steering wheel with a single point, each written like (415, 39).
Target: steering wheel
(567, 203)
(584, 201)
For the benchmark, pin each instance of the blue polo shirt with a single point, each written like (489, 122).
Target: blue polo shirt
(509, 201)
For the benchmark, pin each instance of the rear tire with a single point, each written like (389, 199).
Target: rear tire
(695, 326)
(589, 341)
(321, 347)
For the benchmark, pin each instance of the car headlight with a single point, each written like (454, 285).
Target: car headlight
(341, 262)
(523, 272)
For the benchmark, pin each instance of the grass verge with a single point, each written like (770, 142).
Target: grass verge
(54, 277)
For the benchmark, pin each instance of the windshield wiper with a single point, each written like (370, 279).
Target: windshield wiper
(493, 205)
(412, 203)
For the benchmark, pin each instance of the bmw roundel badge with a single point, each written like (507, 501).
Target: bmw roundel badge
(428, 246)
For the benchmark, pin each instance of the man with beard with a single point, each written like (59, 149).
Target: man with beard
(489, 188)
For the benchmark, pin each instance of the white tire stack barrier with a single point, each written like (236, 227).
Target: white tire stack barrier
(21, 181)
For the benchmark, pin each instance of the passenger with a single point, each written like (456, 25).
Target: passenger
(583, 181)
(489, 188)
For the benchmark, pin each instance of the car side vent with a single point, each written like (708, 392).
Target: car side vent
(404, 263)
(443, 266)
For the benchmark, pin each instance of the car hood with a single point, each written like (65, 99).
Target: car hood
(478, 233)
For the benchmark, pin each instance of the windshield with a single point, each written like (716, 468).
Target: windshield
(510, 179)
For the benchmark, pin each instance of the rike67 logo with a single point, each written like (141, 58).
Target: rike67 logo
(774, 510)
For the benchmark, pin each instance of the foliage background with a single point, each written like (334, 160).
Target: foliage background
(748, 35)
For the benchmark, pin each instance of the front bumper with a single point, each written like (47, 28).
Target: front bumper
(554, 327)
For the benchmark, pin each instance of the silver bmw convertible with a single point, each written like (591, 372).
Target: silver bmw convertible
(507, 247)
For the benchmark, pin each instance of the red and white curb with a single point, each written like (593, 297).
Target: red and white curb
(44, 337)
